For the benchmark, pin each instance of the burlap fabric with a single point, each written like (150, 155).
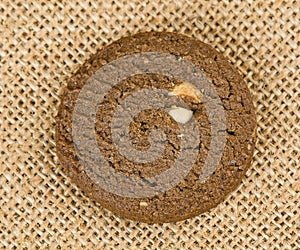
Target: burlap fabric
(43, 43)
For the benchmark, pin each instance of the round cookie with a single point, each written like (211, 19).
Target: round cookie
(190, 195)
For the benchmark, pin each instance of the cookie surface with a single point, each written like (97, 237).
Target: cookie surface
(191, 195)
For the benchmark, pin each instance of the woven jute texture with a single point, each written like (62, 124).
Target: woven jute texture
(43, 42)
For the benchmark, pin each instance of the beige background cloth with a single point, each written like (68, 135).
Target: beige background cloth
(43, 42)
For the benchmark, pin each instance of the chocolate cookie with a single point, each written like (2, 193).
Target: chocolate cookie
(156, 127)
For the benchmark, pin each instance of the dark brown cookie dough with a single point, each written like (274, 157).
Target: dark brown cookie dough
(190, 197)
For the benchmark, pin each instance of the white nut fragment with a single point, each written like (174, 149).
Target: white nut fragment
(180, 114)
(143, 204)
(186, 89)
